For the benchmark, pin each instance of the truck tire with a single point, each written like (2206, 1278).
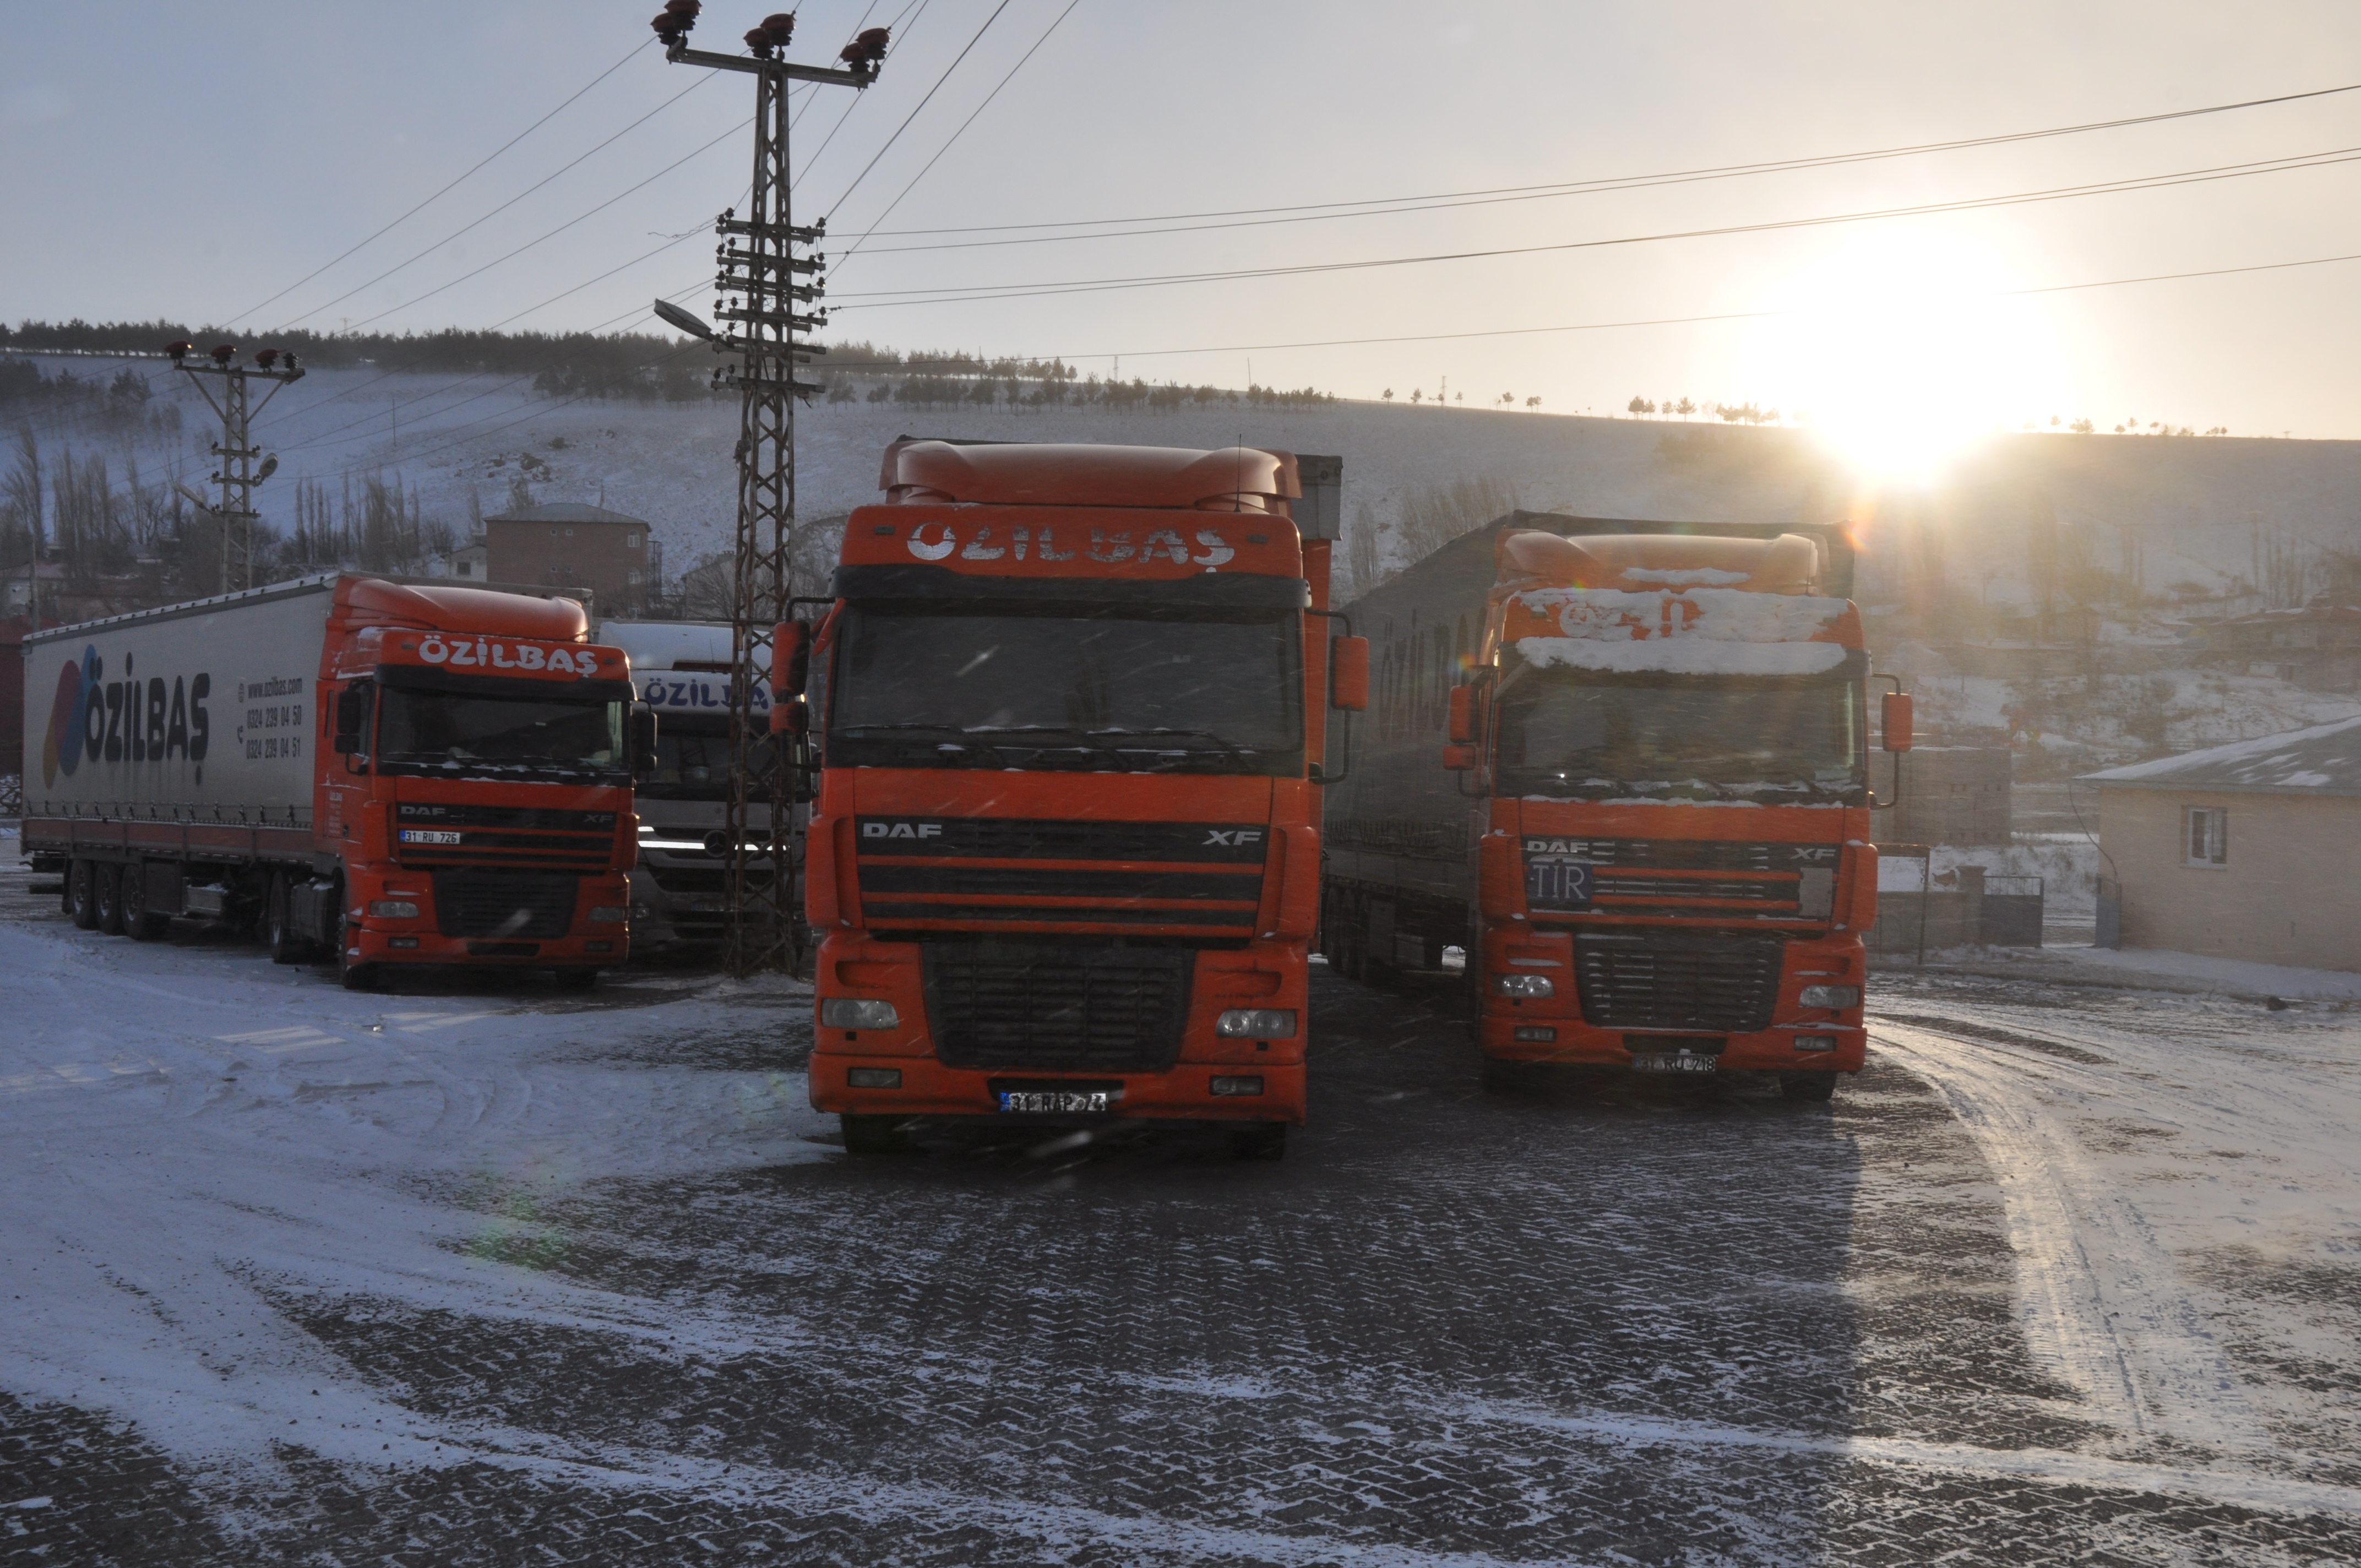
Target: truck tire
(874, 1135)
(278, 930)
(1808, 1087)
(107, 889)
(1259, 1140)
(140, 923)
(82, 895)
(352, 976)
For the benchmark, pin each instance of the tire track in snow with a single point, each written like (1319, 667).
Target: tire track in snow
(2099, 1296)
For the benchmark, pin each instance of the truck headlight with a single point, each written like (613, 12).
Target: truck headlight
(856, 1013)
(1257, 1023)
(1522, 985)
(610, 914)
(1838, 996)
(392, 909)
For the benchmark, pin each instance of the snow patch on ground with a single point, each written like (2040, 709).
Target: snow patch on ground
(193, 1134)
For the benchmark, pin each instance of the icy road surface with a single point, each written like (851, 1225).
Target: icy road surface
(482, 1274)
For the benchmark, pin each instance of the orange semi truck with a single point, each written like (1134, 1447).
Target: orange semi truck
(368, 773)
(1069, 705)
(1624, 766)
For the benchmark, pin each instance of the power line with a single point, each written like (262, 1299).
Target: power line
(1387, 205)
(900, 38)
(568, 224)
(446, 190)
(972, 293)
(503, 207)
(913, 115)
(955, 136)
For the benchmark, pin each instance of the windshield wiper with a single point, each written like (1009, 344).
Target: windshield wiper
(1231, 750)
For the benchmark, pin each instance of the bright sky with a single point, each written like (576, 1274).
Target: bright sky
(191, 161)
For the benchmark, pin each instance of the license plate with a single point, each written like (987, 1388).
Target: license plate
(1056, 1103)
(1557, 883)
(428, 836)
(1667, 1062)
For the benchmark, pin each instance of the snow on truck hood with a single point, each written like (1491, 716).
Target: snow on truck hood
(1699, 632)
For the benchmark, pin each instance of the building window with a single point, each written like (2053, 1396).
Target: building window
(635, 574)
(631, 541)
(2206, 834)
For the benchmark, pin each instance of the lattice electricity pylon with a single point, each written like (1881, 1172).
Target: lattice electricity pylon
(238, 475)
(768, 282)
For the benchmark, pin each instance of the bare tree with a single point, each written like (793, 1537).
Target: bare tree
(1432, 517)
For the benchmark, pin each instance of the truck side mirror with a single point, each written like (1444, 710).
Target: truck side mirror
(1463, 715)
(1349, 674)
(790, 661)
(1893, 721)
(352, 717)
(790, 718)
(642, 740)
(1459, 757)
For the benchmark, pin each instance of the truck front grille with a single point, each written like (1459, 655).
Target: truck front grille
(1060, 1008)
(503, 904)
(1724, 984)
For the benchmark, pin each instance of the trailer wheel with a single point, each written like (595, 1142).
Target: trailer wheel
(140, 923)
(278, 929)
(82, 895)
(1259, 1140)
(1810, 1088)
(582, 978)
(109, 891)
(874, 1135)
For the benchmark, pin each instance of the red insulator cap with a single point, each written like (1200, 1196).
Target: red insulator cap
(758, 41)
(684, 9)
(224, 352)
(265, 357)
(177, 349)
(781, 26)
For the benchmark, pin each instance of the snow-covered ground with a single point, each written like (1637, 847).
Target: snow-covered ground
(194, 1135)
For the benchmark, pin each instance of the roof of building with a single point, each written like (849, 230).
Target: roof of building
(2322, 759)
(563, 512)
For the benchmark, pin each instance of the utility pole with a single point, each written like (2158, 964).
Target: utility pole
(238, 473)
(774, 289)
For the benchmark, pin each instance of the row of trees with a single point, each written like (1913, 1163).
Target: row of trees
(934, 391)
(1447, 398)
(1729, 413)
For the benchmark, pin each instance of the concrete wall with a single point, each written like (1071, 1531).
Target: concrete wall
(2289, 893)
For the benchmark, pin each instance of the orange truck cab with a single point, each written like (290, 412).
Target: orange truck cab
(373, 773)
(1641, 773)
(1069, 705)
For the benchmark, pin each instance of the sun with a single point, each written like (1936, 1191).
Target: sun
(1902, 353)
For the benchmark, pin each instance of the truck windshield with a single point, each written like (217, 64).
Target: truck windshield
(445, 732)
(693, 760)
(1562, 734)
(1116, 691)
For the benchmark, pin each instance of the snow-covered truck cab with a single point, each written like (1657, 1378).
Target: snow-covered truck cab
(681, 671)
(1659, 741)
(1064, 867)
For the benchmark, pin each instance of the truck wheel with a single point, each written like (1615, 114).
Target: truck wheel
(82, 895)
(108, 889)
(874, 1135)
(352, 976)
(576, 979)
(278, 930)
(1808, 1086)
(1261, 1140)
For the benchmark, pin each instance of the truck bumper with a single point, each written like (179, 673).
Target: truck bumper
(928, 1088)
(904, 1076)
(586, 943)
(1555, 1029)
(1770, 1050)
